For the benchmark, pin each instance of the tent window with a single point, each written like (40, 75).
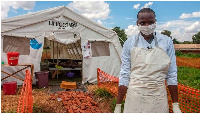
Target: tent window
(16, 44)
(100, 48)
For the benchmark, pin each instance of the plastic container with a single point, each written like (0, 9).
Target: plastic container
(9, 88)
(70, 74)
(12, 58)
(42, 78)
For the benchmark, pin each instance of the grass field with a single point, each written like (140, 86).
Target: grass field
(189, 76)
(188, 69)
(180, 54)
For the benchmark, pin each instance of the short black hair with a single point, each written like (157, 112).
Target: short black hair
(144, 10)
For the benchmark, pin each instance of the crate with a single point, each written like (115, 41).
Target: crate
(68, 85)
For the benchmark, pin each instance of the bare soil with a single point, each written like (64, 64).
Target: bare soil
(42, 102)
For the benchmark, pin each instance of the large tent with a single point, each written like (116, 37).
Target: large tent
(66, 27)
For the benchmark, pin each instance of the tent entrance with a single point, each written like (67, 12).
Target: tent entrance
(61, 59)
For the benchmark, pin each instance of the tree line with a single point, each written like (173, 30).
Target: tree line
(123, 37)
(195, 38)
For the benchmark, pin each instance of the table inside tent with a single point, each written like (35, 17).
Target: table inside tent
(26, 66)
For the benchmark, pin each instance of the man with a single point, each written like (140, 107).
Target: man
(148, 58)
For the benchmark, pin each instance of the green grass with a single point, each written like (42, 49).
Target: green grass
(102, 92)
(189, 76)
(180, 54)
(113, 104)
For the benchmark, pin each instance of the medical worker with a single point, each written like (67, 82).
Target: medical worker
(148, 59)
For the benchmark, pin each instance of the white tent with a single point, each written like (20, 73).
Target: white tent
(64, 26)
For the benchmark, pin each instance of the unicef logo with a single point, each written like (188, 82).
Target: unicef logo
(34, 44)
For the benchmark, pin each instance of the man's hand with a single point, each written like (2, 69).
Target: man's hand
(117, 108)
(176, 108)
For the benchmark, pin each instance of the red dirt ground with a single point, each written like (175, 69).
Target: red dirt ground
(43, 103)
(188, 62)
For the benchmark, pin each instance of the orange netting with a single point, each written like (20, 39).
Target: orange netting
(189, 98)
(108, 82)
(25, 103)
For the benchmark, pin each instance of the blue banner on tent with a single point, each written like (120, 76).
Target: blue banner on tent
(34, 44)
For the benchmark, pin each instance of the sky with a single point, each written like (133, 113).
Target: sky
(182, 18)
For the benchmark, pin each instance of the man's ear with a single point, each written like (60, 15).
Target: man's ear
(137, 23)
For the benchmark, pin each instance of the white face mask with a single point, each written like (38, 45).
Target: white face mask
(147, 30)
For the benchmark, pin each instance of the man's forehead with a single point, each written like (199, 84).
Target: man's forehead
(146, 15)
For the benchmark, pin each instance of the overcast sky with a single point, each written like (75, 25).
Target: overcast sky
(182, 18)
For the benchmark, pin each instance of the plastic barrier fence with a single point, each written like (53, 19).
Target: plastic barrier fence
(25, 103)
(189, 98)
(107, 81)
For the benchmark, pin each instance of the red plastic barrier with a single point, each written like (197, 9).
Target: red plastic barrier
(25, 103)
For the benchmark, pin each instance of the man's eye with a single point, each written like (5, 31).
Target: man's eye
(142, 23)
(152, 22)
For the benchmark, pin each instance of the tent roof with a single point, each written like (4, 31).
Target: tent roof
(44, 15)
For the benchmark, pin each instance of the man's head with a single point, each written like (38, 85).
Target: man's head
(146, 20)
(146, 10)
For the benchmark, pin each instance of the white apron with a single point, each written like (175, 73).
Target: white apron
(147, 91)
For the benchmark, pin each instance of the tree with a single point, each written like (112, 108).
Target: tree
(196, 38)
(121, 34)
(175, 41)
(166, 32)
(186, 42)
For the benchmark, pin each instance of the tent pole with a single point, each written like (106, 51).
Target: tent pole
(53, 52)
(57, 59)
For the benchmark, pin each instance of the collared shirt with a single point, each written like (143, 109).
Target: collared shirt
(164, 42)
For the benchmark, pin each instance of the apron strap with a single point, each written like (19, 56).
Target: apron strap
(155, 38)
(137, 39)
